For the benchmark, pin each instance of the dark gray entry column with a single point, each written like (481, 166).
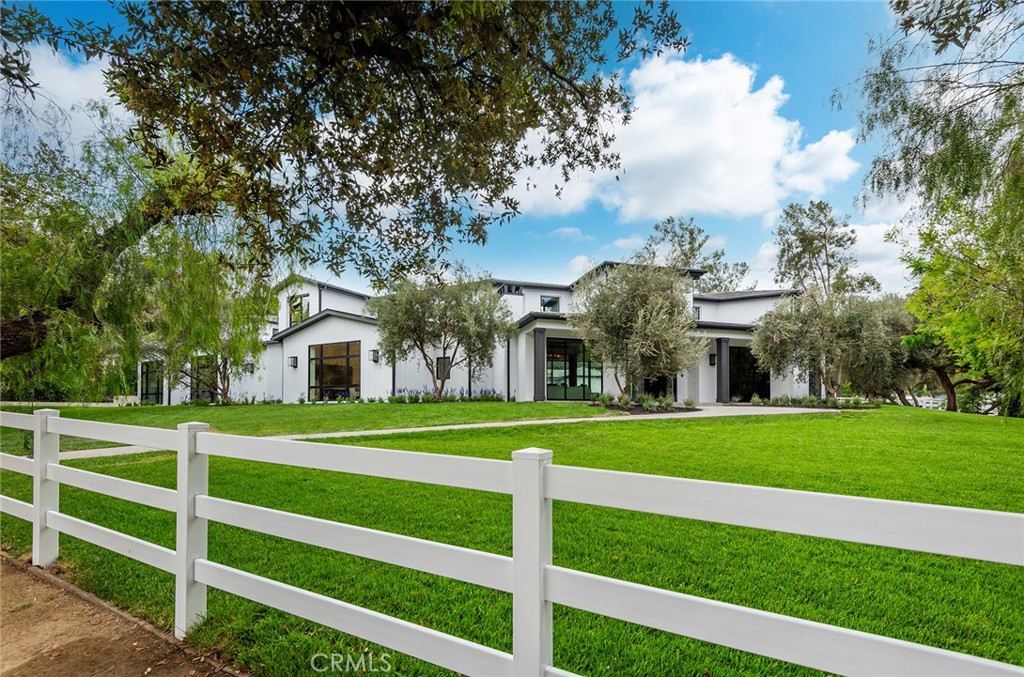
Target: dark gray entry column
(540, 360)
(722, 348)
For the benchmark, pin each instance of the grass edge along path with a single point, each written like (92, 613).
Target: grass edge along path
(298, 419)
(932, 457)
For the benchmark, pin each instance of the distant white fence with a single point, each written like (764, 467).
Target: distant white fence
(535, 583)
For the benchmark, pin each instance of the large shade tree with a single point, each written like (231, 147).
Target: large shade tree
(369, 135)
(815, 332)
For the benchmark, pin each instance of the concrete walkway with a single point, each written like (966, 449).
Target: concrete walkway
(705, 411)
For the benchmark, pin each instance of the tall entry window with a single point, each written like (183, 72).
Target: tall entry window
(334, 371)
(151, 385)
(573, 374)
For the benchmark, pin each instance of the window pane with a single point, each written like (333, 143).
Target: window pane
(335, 349)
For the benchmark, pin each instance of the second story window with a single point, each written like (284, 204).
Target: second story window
(510, 289)
(298, 308)
(549, 304)
(696, 312)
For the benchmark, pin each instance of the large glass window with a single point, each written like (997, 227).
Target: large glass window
(573, 374)
(549, 304)
(334, 371)
(151, 385)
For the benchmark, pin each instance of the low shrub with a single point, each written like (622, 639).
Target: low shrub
(756, 399)
(605, 399)
(689, 403)
(625, 400)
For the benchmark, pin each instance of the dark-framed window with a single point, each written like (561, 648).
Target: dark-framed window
(549, 304)
(696, 312)
(203, 378)
(572, 372)
(298, 308)
(151, 382)
(443, 367)
(509, 289)
(334, 371)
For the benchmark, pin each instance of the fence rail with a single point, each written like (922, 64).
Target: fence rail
(535, 583)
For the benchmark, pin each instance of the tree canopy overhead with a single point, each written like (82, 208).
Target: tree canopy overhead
(366, 134)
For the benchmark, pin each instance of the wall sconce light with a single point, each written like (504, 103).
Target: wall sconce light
(713, 359)
(374, 355)
(293, 361)
(248, 368)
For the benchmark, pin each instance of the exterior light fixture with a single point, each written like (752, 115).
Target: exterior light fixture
(293, 361)
(713, 359)
(248, 368)
(374, 355)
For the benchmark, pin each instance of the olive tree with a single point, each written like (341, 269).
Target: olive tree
(456, 318)
(636, 318)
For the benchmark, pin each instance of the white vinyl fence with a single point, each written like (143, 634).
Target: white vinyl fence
(535, 583)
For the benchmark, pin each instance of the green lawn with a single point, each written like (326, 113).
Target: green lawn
(295, 419)
(893, 453)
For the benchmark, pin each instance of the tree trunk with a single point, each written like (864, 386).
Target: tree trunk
(902, 397)
(914, 397)
(947, 385)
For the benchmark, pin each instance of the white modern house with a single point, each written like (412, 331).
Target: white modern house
(323, 345)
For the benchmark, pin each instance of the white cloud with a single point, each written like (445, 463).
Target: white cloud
(881, 258)
(628, 243)
(812, 169)
(579, 265)
(570, 233)
(703, 140)
(889, 208)
(69, 84)
(762, 274)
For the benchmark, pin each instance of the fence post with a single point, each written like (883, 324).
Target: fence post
(193, 479)
(45, 492)
(531, 553)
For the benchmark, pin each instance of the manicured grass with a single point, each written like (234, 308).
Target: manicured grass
(892, 453)
(295, 419)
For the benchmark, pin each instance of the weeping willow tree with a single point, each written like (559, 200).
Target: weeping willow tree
(945, 101)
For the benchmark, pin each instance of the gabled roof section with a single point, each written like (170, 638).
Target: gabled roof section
(742, 295)
(313, 319)
(695, 273)
(534, 285)
(335, 288)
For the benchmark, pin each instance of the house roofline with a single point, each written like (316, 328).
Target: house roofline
(718, 297)
(534, 316)
(313, 319)
(336, 288)
(694, 273)
(736, 326)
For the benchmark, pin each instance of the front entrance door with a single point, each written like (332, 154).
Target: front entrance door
(745, 378)
(661, 386)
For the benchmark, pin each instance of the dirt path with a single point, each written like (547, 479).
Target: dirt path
(47, 630)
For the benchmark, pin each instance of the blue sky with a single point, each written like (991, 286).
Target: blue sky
(728, 134)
